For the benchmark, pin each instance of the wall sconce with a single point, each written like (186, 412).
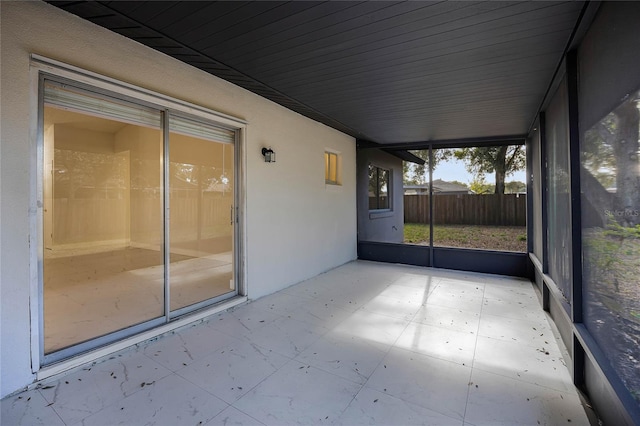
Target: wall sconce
(269, 155)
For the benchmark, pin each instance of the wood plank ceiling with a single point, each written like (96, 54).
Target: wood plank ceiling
(387, 72)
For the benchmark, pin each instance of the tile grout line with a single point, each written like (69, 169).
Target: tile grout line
(52, 407)
(249, 390)
(391, 346)
(362, 385)
(473, 360)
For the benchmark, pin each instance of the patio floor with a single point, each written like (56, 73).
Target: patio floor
(365, 343)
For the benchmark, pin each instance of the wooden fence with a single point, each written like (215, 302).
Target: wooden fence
(468, 209)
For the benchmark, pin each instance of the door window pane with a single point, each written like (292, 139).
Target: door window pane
(558, 196)
(417, 214)
(379, 181)
(201, 191)
(537, 190)
(102, 217)
(479, 198)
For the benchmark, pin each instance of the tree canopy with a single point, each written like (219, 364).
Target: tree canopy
(609, 159)
(501, 160)
(418, 174)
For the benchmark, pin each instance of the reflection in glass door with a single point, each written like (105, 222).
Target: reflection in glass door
(102, 216)
(129, 240)
(201, 193)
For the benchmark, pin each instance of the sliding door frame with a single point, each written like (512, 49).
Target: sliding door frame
(50, 70)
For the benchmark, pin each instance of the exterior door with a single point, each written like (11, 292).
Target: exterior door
(137, 217)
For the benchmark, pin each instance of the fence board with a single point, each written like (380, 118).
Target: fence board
(468, 209)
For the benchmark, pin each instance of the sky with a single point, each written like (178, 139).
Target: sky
(454, 170)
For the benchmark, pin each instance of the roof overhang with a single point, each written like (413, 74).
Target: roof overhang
(395, 73)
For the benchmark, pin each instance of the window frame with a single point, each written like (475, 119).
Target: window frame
(336, 171)
(44, 69)
(389, 206)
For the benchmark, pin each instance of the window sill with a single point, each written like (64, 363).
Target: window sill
(332, 187)
(379, 214)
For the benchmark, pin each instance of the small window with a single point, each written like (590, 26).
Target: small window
(379, 181)
(331, 166)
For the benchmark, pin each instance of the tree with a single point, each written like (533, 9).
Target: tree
(515, 187)
(457, 182)
(501, 160)
(418, 174)
(610, 151)
(480, 186)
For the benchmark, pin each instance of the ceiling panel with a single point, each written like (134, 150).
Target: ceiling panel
(494, 43)
(388, 72)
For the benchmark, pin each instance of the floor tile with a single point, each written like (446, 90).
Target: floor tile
(371, 326)
(525, 310)
(28, 408)
(286, 337)
(423, 281)
(432, 383)
(451, 318)
(467, 276)
(241, 320)
(279, 303)
(365, 343)
(541, 366)
(498, 400)
(179, 349)
(518, 291)
(80, 394)
(329, 284)
(454, 297)
(464, 284)
(233, 417)
(393, 307)
(319, 312)
(169, 401)
(349, 357)
(439, 342)
(299, 394)
(234, 370)
(371, 407)
(354, 298)
(536, 333)
(343, 301)
(406, 294)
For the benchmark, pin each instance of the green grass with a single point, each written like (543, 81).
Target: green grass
(507, 238)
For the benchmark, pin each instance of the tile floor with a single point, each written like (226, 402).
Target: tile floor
(366, 343)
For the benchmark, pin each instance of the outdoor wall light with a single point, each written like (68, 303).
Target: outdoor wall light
(269, 155)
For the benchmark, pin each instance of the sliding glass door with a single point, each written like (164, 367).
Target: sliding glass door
(137, 216)
(201, 193)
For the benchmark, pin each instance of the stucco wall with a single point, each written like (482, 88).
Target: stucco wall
(380, 226)
(296, 226)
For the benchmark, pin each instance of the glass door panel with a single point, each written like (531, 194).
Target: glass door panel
(479, 198)
(416, 200)
(201, 229)
(102, 217)
(112, 263)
